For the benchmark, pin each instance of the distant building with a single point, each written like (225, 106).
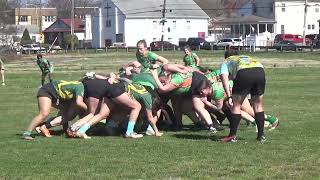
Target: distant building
(123, 21)
(56, 32)
(36, 17)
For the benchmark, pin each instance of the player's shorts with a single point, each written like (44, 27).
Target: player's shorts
(114, 90)
(49, 91)
(251, 80)
(99, 88)
(94, 88)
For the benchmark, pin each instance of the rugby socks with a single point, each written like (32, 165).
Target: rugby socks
(48, 124)
(270, 119)
(84, 128)
(234, 123)
(130, 127)
(150, 128)
(260, 122)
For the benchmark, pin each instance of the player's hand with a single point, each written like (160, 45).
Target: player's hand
(154, 66)
(230, 102)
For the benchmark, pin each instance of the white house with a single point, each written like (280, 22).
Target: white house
(130, 21)
(288, 14)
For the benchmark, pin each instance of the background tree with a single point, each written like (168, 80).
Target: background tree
(64, 6)
(67, 40)
(25, 39)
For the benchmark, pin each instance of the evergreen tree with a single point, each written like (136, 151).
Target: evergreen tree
(25, 39)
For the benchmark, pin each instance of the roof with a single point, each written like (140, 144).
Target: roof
(152, 9)
(215, 8)
(64, 25)
(244, 20)
(32, 29)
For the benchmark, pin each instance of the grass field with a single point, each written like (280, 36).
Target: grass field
(291, 151)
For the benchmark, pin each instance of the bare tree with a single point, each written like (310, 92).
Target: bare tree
(7, 27)
(64, 6)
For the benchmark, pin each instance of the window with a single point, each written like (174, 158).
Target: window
(33, 38)
(188, 24)
(119, 37)
(309, 26)
(312, 26)
(283, 9)
(174, 24)
(169, 39)
(154, 24)
(282, 29)
(316, 8)
(108, 23)
(23, 18)
(154, 39)
(48, 18)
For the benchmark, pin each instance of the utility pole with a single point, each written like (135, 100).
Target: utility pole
(305, 21)
(40, 25)
(72, 24)
(163, 21)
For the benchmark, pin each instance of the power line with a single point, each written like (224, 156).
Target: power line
(128, 12)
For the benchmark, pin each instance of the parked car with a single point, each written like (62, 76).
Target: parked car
(286, 46)
(230, 42)
(295, 38)
(32, 48)
(157, 45)
(195, 42)
(311, 39)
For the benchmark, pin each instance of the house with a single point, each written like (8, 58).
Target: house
(289, 15)
(123, 21)
(40, 17)
(56, 32)
(86, 14)
(43, 17)
(283, 12)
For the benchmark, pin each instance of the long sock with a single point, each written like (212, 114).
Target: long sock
(234, 123)
(150, 128)
(271, 119)
(130, 127)
(260, 122)
(84, 128)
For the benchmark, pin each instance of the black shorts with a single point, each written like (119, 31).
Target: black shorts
(197, 79)
(114, 90)
(251, 80)
(94, 88)
(49, 91)
(99, 88)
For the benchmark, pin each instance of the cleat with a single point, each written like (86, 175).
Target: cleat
(274, 125)
(229, 139)
(133, 135)
(3, 84)
(45, 131)
(212, 130)
(27, 136)
(261, 139)
(82, 135)
(150, 133)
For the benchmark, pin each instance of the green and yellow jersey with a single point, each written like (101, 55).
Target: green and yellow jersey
(190, 60)
(68, 89)
(146, 61)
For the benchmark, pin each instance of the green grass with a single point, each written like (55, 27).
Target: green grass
(291, 152)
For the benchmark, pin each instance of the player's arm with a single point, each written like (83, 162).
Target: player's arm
(162, 88)
(197, 60)
(80, 103)
(162, 60)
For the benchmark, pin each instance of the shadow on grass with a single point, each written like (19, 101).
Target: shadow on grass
(198, 137)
